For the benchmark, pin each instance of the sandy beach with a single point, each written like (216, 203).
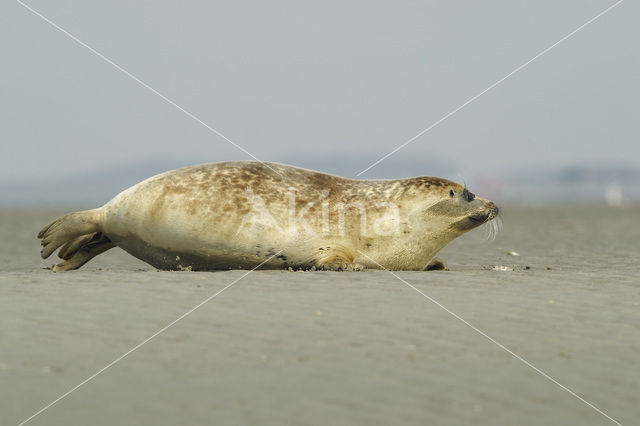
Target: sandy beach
(315, 348)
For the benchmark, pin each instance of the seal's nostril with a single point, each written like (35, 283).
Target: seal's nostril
(492, 209)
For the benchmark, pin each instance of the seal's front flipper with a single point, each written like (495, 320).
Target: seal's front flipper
(436, 265)
(336, 258)
(81, 250)
(340, 266)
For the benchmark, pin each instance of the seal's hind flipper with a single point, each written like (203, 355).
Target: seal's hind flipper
(65, 229)
(71, 247)
(81, 250)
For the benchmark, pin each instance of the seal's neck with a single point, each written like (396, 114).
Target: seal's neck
(410, 252)
(425, 240)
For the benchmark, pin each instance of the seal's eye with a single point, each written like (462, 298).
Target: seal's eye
(451, 193)
(469, 196)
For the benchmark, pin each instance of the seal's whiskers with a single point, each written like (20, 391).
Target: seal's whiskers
(493, 227)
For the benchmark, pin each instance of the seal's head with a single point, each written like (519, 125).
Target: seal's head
(452, 210)
(473, 211)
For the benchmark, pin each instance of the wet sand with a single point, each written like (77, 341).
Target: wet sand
(312, 348)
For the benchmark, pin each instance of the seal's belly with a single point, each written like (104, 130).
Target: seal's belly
(179, 242)
(176, 237)
(202, 259)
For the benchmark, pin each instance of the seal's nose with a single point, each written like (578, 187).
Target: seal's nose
(494, 209)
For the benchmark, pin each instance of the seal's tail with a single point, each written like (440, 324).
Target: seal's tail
(65, 229)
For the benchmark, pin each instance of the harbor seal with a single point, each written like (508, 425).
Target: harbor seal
(240, 214)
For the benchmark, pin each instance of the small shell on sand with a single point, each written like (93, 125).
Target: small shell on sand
(513, 253)
(502, 268)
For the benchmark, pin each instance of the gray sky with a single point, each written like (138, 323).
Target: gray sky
(294, 80)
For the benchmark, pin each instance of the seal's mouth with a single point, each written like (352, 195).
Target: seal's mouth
(477, 218)
(480, 218)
